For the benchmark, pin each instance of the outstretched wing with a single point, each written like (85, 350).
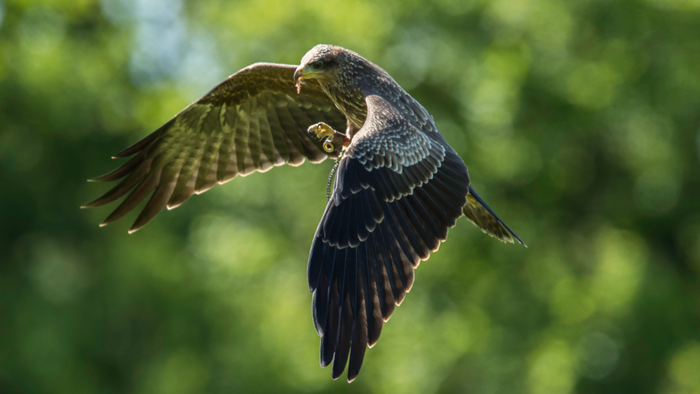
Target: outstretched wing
(252, 121)
(397, 191)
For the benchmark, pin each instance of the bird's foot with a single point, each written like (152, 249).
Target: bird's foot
(332, 139)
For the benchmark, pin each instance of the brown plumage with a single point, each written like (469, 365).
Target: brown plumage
(398, 190)
(251, 122)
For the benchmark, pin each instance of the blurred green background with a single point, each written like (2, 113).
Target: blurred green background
(580, 124)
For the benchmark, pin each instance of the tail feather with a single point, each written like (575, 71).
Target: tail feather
(482, 216)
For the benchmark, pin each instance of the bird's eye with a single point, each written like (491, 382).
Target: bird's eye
(317, 64)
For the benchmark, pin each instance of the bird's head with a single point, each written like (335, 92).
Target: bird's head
(322, 62)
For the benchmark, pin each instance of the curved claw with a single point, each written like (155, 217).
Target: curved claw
(321, 130)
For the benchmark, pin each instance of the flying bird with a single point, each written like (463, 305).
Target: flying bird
(399, 185)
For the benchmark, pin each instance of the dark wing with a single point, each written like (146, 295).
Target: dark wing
(482, 216)
(252, 121)
(396, 193)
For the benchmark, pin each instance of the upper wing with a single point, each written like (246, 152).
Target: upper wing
(396, 193)
(252, 121)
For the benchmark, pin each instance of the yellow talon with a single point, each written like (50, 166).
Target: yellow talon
(321, 130)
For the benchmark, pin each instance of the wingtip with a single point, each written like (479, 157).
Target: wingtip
(517, 237)
(170, 207)
(103, 224)
(480, 201)
(133, 230)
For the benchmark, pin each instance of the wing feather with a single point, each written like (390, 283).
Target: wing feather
(278, 138)
(483, 217)
(124, 186)
(384, 217)
(122, 171)
(159, 199)
(376, 291)
(185, 186)
(242, 138)
(361, 324)
(251, 122)
(136, 196)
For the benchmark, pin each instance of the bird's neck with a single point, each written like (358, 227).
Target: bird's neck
(349, 100)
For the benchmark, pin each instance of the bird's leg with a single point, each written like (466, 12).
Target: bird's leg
(332, 139)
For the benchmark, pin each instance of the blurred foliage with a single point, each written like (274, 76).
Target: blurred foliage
(579, 121)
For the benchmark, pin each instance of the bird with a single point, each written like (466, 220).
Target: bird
(399, 186)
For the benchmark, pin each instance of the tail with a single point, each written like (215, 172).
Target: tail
(482, 216)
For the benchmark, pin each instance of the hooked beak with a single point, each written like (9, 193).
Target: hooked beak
(298, 77)
(302, 73)
(299, 73)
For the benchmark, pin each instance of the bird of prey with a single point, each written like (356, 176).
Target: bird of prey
(399, 185)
